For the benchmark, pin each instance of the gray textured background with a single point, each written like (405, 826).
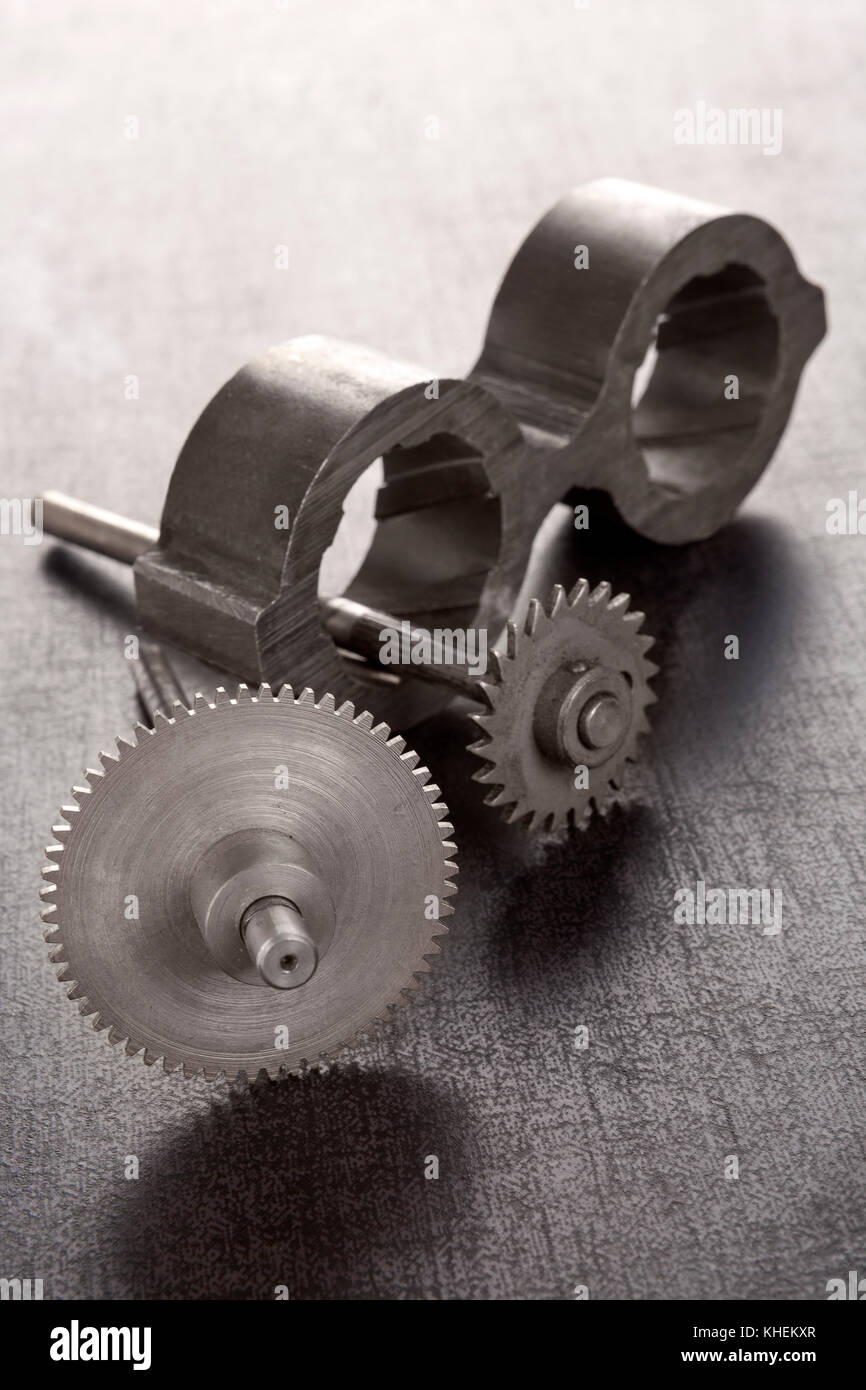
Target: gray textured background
(304, 126)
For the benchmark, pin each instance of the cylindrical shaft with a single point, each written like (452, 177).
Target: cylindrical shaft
(158, 685)
(96, 529)
(352, 625)
(278, 943)
(358, 629)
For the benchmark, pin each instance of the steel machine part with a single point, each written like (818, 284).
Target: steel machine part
(249, 885)
(569, 692)
(563, 705)
(651, 347)
(644, 350)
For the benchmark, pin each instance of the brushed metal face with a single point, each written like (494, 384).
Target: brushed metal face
(367, 820)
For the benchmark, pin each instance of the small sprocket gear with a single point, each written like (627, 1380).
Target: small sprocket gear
(565, 704)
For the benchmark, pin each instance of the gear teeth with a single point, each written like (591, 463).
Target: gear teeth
(511, 785)
(494, 671)
(556, 602)
(579, 594)
(511, 641)
(618, 605)
(104, 1022)
(487, 694)
(533, 615)
(328, 703)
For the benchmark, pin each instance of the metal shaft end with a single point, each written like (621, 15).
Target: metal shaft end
(278, 943)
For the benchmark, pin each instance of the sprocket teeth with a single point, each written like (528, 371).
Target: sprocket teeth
(556, 602)
(534, 613)
(495, 668)
(511, 785)
(511, 640)
(105, 1021)
(487, 693)
(579, 594)
(618, 606)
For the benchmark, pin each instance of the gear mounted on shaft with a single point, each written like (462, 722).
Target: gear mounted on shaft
(249, 885)
(565, 704)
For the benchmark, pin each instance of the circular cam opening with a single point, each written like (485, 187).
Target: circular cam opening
(700, 393)
(419, 535)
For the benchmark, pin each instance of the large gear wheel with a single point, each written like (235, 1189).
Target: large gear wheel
(565, 705)
(250, 885)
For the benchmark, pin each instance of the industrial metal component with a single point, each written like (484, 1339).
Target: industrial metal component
(642, 355)
(650, 346)
(563, 705)
(256, 499)
(573, 700)
(567, 709)
(250, 884)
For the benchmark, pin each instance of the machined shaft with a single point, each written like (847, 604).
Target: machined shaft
(353, 626)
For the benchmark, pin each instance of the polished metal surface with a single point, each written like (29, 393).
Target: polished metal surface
(642, 357)
(191, 825)
(566, 708)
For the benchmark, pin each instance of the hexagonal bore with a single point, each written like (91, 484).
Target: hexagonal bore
(699, 396)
